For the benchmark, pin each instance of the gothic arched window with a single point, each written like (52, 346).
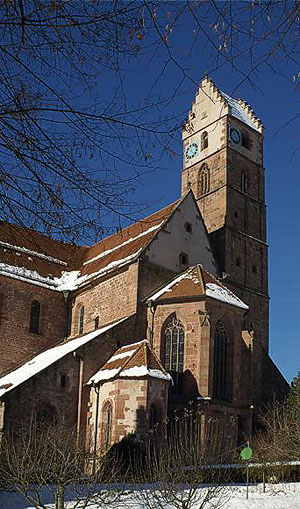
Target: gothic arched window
(174, 351)
(81, 319)
(220, 362)
(203, 180)
(107, 424)
(153, 417)
(204, 140)
(35, 311)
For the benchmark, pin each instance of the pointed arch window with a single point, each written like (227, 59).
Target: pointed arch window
(107, 424)
(35, 311)
(174, 352)
(204, 140)
(203, 180)
(81, 320)
(220, 362)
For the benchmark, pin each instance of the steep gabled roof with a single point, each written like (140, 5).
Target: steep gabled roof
(47, 358)
(131, 361)
(196, 282)
(33, 257)
(238, 108)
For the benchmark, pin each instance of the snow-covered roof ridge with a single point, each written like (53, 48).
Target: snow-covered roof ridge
(169, 286)
(131, 361)
(132, 239)
(24, 250)
(45, 359)
(194, 282)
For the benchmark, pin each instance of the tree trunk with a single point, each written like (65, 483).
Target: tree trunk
(60, 496)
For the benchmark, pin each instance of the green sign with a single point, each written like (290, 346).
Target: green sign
(246, 453)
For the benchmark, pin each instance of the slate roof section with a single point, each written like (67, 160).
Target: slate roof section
(196, 282)
(131, 361)
(242, 111)
(47, 358)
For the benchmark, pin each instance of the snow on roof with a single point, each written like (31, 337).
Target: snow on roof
(170, 285)
(130, 361)
(132, 239)
(47, 358)
(77, 282)
(20, 249)
(238, 111)
(69, 280)
(195, 282)
(223, 294)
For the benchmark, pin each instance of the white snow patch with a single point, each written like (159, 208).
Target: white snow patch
(45, 359)
(121, 355)
(68, 281)
(20, 249)
(223, 294)
(169, 286)
(108, 251)
(105, 374)
(238, 111)
(139, 371)
(26, 274)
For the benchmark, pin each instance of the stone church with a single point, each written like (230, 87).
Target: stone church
(173, 309)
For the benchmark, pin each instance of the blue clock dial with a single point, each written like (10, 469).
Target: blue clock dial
(191, 151)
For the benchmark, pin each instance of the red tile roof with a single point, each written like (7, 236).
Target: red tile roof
(193, 283)
(21, 247)
(131, 361)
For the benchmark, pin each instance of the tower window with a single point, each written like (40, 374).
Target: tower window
(235, 214)
(203, 180)
(246, 140)
(204, 140)
(183, 259)
(34, 325)
(238, 261)
(254, 269)
(174, 352)
(81, 320)
(188, 227)
(220, 362)
(245, 182)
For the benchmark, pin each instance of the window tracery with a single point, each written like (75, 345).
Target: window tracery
(203, 180)
(174, 351)
(220, 362)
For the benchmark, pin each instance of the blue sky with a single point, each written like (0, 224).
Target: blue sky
(275, 99)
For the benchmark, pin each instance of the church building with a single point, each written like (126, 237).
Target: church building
(109, 339)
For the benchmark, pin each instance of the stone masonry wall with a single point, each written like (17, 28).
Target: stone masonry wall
(18, 344)
(110, 299)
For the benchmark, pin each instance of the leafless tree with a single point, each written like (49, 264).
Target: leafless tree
(52, 463)
(178, 472)
(71, 145)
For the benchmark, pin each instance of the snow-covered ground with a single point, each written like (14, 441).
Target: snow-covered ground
(277, 496)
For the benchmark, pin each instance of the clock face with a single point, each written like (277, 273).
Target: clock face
(235, 135)
(191, 151)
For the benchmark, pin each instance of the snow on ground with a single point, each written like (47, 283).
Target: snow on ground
(277, 496)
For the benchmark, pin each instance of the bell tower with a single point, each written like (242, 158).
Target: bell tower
(223, 164)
